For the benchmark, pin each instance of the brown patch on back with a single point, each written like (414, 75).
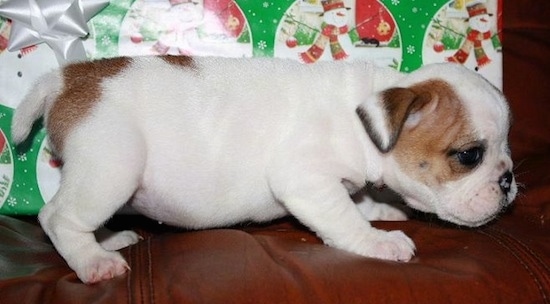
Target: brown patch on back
(181, 61)
(424, 151)
(82, 89)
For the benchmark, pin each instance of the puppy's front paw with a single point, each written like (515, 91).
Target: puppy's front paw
(389, 245)
(100, 267)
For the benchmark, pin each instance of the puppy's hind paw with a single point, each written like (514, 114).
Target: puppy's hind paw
(389, 245)
(373, 211)
(102, 267)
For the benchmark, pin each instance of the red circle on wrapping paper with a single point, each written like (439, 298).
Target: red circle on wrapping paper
(6, 170)
(224, 9)
(2, 142)
(371, 12)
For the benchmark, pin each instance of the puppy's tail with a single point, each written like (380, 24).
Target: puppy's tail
(34, 105)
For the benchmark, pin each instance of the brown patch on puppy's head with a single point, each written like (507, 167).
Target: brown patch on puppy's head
(434, 132)
(82, 89)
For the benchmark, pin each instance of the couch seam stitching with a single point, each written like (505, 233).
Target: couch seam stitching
(129, 277)
(523, 263)
(525, 247)
(150, 271)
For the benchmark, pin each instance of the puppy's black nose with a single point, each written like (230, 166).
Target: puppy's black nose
(505, 182)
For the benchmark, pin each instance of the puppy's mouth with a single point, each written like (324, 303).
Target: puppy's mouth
(470, 223)
(503, 205)
(454, 219)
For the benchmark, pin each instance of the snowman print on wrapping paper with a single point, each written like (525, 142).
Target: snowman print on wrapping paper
(314, 30)
(479, 30)
(21, 68)
(335, 19)
(184, 27)
(183, 17)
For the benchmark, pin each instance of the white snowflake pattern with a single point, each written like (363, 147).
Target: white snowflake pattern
(2, 115)
(411, 49)
(22, 157)
(395, 2)
(12, 201)
(108, 21)
(265, 4)
(105, 40)
(262, 44)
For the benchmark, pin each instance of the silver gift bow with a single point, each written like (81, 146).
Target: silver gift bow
(61, 24)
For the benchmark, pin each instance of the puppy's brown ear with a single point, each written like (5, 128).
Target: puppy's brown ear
(392, 109)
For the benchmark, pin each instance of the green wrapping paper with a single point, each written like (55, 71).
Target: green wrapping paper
(403, 34)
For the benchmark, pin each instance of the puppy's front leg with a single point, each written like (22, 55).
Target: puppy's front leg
(324, 205)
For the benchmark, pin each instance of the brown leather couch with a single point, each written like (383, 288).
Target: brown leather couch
(507, 261)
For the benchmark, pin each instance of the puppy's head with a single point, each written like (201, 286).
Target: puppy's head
(444, 133)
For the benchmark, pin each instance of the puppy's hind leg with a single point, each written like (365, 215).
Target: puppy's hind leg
(103, 166)
(375, 211)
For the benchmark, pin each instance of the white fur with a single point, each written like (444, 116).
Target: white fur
(232, 141)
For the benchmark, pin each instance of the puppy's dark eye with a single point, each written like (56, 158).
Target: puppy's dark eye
(471, 157)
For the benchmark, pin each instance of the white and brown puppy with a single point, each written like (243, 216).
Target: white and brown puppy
(208, 142)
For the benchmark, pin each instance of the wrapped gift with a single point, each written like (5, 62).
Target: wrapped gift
(39, 35)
